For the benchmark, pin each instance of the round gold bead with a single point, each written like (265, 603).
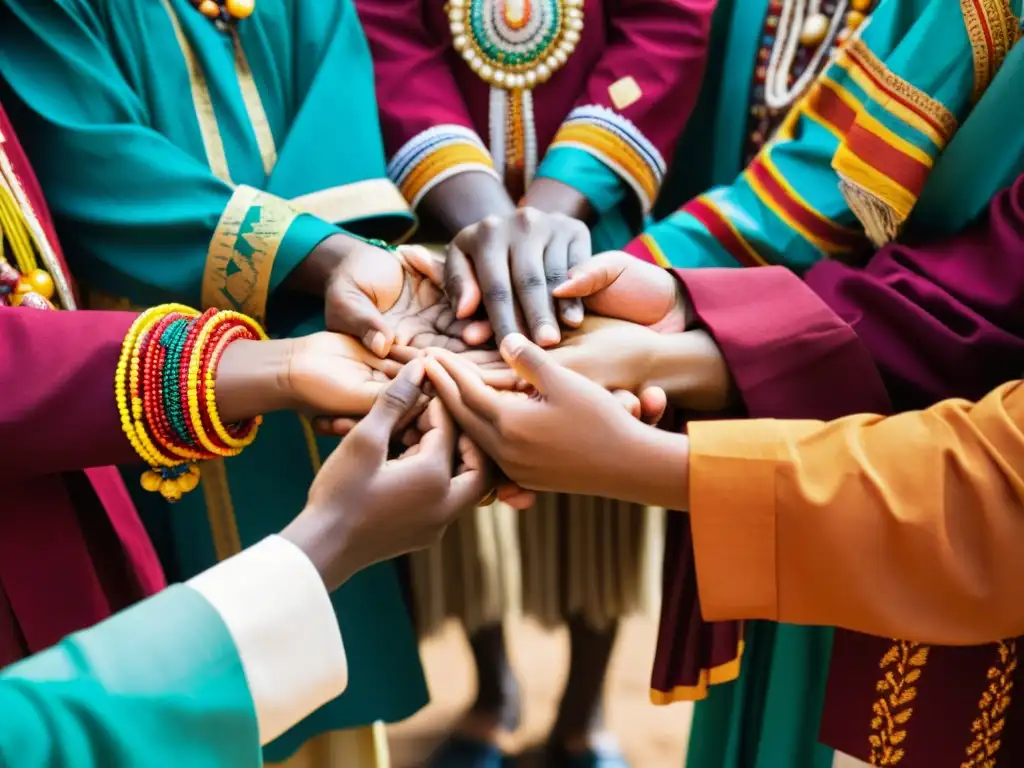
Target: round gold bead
(860, 5)
(240, 9)
(209, 9)
(854, 19)
(40, 282)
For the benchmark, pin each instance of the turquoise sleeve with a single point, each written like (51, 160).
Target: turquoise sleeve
(602, 187)
(159, 684)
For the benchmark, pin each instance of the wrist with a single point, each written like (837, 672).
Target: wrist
(553, 196)
(690, 368)
(654, 467)
(314, 272)
(251, 379)
(465, 199)
(316, 533)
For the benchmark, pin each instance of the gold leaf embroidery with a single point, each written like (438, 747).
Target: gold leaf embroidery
(987, 728)
(901, 666)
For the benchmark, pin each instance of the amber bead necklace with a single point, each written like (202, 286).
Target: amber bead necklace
(225, 11)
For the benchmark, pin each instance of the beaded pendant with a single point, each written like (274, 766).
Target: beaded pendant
(514, 45)
(225, 11)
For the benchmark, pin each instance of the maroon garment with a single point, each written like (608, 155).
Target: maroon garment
(423, 82)
(72, 548)
(921, 323)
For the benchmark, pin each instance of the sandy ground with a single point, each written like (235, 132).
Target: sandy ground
(653, 737)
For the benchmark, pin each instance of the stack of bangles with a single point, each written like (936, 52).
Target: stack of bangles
(165, 391)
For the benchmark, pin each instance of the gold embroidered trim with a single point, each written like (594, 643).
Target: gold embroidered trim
(254, 106)
(995, 700)
(986, 19)
(859, 52)
(213, 144)
(901, 667)
(354, 201)
(242, 251)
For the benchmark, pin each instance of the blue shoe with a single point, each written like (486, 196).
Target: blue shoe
(558, 757)
(465, 752)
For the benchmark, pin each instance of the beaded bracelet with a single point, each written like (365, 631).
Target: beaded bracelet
(165, 388)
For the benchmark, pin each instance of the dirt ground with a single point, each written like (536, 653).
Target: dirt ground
(653, 737)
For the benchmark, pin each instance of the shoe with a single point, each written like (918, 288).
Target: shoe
(466, 752)
(559, 757)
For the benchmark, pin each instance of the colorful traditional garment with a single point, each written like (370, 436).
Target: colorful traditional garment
(193, 163)
(97, 558)
(591, 93)
(201, 674)
(843, 173)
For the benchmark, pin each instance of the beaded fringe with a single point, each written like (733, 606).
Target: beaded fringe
(569, 555)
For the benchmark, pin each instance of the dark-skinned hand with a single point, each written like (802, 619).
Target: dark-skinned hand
(364, 507)
(511, 263)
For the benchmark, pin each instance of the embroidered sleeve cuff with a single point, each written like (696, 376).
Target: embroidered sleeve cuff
(280, 617)
(437, 154)
(602, 187)
(259, 240)
(619, 144)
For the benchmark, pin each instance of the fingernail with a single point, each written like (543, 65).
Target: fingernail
(376, 342)
(513, 343)
(546, 335)
(574, 314)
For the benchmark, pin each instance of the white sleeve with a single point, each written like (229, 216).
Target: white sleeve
(279, 615)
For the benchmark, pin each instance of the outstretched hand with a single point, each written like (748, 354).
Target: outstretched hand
(364, 507)
(568, 434)
(379, 296)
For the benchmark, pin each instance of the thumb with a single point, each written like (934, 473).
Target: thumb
(392, 407)
(531, 363)
(352, 312)
(592, 276)
(425, 261)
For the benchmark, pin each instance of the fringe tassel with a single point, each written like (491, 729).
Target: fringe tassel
(880, 222)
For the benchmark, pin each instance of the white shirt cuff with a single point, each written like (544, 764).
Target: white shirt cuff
(279, 615)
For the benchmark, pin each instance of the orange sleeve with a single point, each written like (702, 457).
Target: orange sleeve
(908, 526)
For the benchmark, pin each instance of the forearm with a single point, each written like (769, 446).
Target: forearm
(465, 199)
(806, 522)
(57, 377)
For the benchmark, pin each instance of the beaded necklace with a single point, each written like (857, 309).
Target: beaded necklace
(799, 38)
(514, 45)
(225, 11)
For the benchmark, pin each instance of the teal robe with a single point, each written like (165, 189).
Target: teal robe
(169, 152)
(160, 684)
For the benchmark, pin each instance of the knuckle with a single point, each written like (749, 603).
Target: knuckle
(490, 224)
(498, 293)
(527, 282)
(555, 276)
(527, 218)
(399, 395)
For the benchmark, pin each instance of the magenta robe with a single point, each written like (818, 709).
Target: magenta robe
(917, 325)
(72, 548)
(424, 85)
